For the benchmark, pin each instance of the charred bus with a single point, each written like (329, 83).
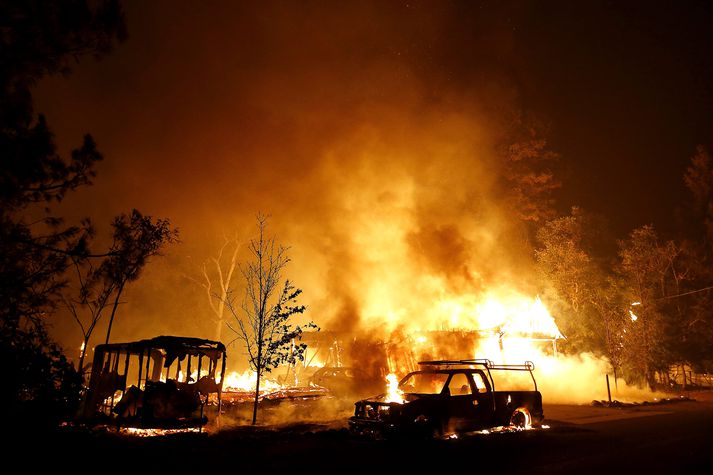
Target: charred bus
(162, 382)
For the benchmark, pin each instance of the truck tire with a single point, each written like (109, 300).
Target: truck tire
(428, 428)
(439, 429)
(521, 418)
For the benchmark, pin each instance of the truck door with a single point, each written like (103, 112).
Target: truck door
(466, 405)
(484, 396)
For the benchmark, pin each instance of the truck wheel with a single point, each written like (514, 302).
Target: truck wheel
(428, 428)
(521, 419)
(438, 430)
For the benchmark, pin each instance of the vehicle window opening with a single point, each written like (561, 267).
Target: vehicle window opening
(424, 383)
(479, 383)
(459, 385)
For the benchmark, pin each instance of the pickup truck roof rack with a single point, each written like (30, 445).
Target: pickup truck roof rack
(487, 365)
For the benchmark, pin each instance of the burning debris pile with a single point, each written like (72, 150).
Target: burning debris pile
(239, 388)
(655, 402)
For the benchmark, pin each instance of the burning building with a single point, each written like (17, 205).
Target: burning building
(524, 331)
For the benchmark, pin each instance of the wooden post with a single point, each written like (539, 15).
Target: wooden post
(141, 367)
(608, 389)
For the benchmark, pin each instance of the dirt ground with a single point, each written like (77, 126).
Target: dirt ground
(670, 437)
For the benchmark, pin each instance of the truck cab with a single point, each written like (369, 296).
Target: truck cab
(448, 396)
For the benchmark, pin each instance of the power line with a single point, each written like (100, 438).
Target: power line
(686, 293)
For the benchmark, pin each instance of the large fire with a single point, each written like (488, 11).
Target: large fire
(507, 327)
(510, 328)
(504, 326)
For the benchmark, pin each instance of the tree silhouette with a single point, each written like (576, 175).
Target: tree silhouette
(94, 296)
(264, 325)
(698, 179)
(40, 39)
(646, 271)
(566, 263)
(136, 239)
(528, 180)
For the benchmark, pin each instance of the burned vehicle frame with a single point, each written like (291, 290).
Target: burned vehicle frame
(163, 382)
(450, 396)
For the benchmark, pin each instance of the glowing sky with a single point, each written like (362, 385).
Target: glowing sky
(368, 129)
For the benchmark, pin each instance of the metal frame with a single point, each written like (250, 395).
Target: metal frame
(151, 358)
(487, 365)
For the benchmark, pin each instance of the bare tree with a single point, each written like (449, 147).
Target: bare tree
(218, 273)
(263, 320)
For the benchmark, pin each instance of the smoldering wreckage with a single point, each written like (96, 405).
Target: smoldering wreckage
(170, 383)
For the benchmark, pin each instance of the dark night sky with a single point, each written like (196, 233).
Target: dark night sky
(334, 116)
(628, 90)
(625, 87)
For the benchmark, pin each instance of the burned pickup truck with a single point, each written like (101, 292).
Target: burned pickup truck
(450, 396)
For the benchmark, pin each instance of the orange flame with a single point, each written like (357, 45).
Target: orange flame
(245, 381)
(393, 393)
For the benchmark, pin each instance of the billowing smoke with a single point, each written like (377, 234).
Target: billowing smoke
(357, 128)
